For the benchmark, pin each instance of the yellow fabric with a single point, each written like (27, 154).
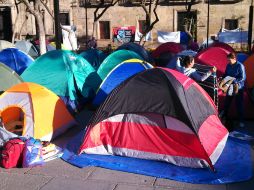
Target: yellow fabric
(49, 111)
(134, 60)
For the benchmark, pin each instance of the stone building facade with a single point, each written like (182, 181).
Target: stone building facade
(229, 14)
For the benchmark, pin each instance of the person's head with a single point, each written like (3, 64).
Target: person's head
(188, 61)
(231, 58)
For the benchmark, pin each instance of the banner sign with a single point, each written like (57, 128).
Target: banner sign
(164, 37)
(124, 34)
(233, 37)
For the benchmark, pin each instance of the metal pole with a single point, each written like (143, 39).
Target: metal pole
(250, 27)
(86, 23)
(208, 22)
(57, 24)
(150, 11)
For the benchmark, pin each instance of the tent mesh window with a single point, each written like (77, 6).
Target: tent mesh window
(209, 85)
(13, 120)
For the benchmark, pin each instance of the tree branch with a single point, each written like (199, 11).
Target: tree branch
(46, 7)
(150, 26)
(97, 17)
(28, 6)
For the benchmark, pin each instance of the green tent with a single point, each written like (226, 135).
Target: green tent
(115, 59)
(8, 77)
(65, 73)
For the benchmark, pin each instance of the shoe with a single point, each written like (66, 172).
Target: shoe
(241, 124)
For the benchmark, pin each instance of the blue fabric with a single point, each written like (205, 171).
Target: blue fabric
(137, 49)
(15, 59)
(235, 159)
(236, 70)
(241, 57)
(233, 37)
(184, 38)
(121, 73)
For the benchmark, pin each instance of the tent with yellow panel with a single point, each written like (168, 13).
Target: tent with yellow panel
(31, 110)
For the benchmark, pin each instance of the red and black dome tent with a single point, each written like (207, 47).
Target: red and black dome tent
(158, 114)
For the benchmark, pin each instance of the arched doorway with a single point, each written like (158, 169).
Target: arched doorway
(5, 24)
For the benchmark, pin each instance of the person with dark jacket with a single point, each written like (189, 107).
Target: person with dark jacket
(236, 70)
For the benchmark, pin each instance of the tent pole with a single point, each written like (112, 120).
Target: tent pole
(250, 26)
(208, 22)
(57, 24)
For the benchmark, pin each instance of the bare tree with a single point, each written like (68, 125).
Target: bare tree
(148, 24)
(104, 6)
(189, 21)
(35, 7)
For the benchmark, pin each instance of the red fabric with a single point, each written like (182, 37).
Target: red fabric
(12, 153)
(170, 47)
(211, 132)
(249, 68)
(180, 77)
(132, 28)
(223, 46)
(145, 138)
(214, 56)
(37, 42)
(248, 106)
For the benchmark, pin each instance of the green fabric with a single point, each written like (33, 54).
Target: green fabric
(115, 59)
(94, 56)
(8, 77)
(63, 72)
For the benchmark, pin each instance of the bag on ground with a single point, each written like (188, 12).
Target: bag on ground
(11, 154)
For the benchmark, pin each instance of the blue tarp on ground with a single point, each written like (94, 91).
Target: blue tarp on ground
(15, 59)
(235, 159)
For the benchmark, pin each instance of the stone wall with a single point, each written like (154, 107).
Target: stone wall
(128, 16)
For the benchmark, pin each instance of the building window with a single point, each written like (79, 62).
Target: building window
(104, 29)
(142, 26)
(187, 21)
(231, 24)
(64, 18)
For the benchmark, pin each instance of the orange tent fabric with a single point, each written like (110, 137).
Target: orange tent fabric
(42, 114)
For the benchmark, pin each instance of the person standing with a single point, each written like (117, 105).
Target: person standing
(236, 70)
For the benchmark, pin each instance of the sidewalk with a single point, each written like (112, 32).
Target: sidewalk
(58, 174)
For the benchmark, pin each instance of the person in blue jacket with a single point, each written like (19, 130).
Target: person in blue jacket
(235, 69)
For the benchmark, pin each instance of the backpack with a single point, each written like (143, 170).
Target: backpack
(11, 154)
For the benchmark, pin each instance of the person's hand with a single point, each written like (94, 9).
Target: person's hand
(214, 69)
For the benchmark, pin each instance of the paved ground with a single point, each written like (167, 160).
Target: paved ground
(58, 174)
